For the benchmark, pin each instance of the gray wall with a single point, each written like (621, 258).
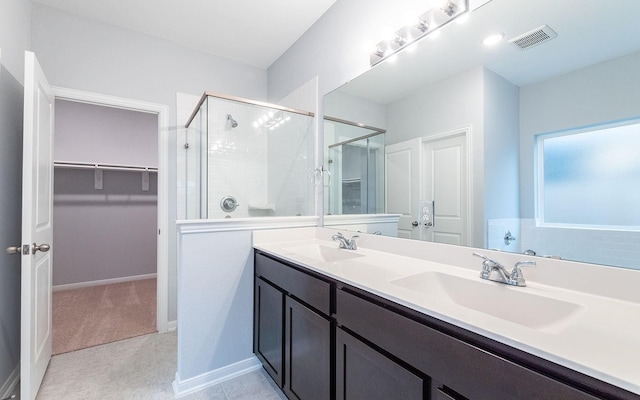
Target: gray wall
(336, 48)
(78, 53)
(103, 234)
(110, 232)
(108, 135)
(15, 37)
(443, 107)
(501, 148)
(604, 92)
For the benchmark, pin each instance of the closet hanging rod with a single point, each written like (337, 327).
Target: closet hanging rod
(111, 167)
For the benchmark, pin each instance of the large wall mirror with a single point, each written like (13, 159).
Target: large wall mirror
(525, 146)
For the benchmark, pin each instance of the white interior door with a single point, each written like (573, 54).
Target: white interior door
(402, 189)
(37, 230)
(445, 182)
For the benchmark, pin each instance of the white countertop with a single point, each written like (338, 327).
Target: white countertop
(600, 337)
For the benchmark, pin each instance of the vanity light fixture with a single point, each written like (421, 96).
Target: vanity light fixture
(424, 25)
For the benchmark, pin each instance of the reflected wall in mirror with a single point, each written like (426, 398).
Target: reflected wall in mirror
(504, 101)
(354, 157)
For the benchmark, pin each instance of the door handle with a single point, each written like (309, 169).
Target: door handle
(414, 223)
(43, 248)
(14, 250)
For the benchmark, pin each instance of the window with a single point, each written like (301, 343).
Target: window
(590, 178)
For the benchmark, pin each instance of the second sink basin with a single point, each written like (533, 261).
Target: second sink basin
(512, 304)
(323, 253)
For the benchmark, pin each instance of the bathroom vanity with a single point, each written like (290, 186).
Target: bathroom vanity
(337, 323)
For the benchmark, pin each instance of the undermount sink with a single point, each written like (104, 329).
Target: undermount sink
(323, 253)
(509, 303)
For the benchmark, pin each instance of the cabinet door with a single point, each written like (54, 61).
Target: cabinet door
(268, 328)
(364, 373)
(308, 353)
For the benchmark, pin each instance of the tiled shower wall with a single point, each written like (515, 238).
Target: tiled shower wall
(269, 172)
(618, 248)
(237, 158)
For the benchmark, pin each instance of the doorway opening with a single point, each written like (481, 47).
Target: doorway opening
(110, 269)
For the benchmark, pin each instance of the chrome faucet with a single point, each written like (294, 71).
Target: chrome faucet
(349, 244)
(494, 271)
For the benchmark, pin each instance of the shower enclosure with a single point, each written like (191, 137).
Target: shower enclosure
(355, 159)
(242, 158)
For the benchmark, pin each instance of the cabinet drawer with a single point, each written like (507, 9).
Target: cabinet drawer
(305, 287)
(470, 371)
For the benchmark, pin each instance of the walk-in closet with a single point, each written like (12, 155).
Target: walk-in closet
(105, 224)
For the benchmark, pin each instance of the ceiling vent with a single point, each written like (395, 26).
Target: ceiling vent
(533, 38)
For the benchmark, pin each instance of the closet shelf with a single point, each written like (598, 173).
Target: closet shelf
(112, 167)
(99, 168)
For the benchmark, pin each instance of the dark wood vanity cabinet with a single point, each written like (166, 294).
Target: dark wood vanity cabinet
(323, 339)
(308, 353)
(460, 364)
(268, 323)
(364, 373)
(293, 333)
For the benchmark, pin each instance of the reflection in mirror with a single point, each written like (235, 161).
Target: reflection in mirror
(505, 101)
(355, 161)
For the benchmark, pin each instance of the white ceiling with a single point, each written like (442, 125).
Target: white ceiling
(254, 32)
(589, 32)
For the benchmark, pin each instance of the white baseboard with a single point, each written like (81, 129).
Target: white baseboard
(185, 387)
(10, 384)
(103, 282)
(172, 325)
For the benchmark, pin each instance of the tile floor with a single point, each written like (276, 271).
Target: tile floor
(139, 368)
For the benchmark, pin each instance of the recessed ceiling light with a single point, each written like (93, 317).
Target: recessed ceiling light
(493, 39)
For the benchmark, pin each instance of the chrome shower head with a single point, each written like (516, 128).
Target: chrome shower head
(232, 121)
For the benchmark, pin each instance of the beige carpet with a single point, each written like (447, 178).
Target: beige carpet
(96, 315)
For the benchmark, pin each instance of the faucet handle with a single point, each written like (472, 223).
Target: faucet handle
(525, 264)
(487, 265)
(352, 242)
(516, 277)
(480, 255)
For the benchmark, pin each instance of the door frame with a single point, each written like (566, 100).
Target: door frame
(162, 271)
(466, 132)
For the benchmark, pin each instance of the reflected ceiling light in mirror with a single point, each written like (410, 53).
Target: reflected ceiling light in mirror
(271, 120)
(493, 39)
(427, 24)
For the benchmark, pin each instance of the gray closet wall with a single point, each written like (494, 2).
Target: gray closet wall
(106, 233)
